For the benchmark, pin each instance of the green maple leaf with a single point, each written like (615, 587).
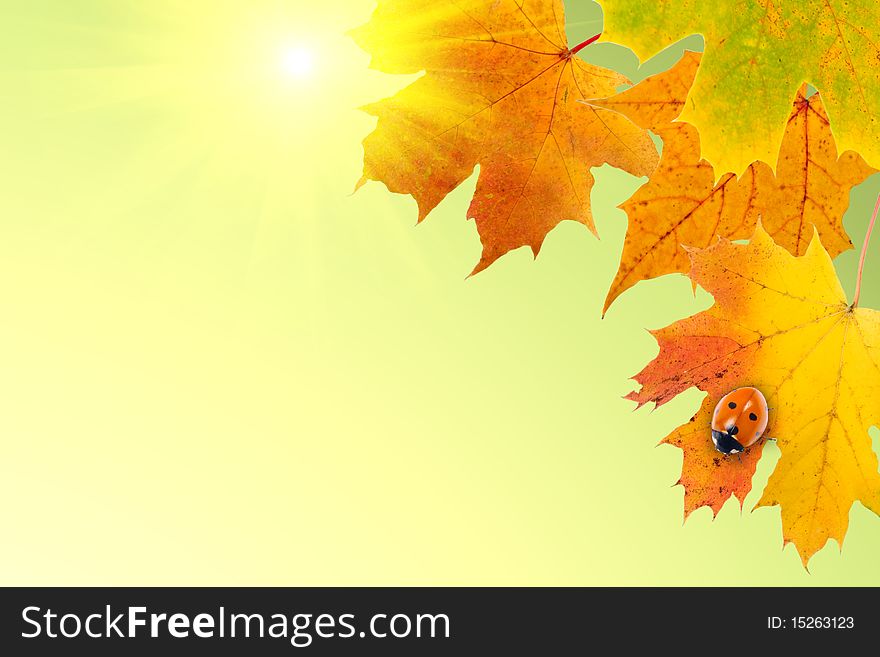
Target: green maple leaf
(758, 53)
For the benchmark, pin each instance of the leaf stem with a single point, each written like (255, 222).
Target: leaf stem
(584, 44)
(864, 252)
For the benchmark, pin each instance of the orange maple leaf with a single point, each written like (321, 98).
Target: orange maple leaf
(500, 89)
(780, 323)
(682, 204)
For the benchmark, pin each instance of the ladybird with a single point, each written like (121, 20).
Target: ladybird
(739, 420)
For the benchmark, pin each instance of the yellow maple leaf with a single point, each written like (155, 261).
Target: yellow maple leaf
(760, 53)
(781, 323)
(681, 204)
(500, 89)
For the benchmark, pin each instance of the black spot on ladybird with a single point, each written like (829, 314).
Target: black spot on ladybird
(753, 417)
(731, 405)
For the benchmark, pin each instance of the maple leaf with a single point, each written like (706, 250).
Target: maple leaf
(682, 204)
(500, 89)
(780, 323)
(760, 53)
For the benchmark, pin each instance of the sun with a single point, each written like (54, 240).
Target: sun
(298, 62)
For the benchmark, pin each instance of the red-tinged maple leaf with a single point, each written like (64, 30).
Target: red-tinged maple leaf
(782, 324)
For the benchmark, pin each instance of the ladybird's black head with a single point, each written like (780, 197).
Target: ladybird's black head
(726, 443)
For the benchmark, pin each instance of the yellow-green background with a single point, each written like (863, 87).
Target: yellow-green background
(218, 366)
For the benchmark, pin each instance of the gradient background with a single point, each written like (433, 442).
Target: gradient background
(221, 367)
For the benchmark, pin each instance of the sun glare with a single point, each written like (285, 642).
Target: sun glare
(298, 62)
